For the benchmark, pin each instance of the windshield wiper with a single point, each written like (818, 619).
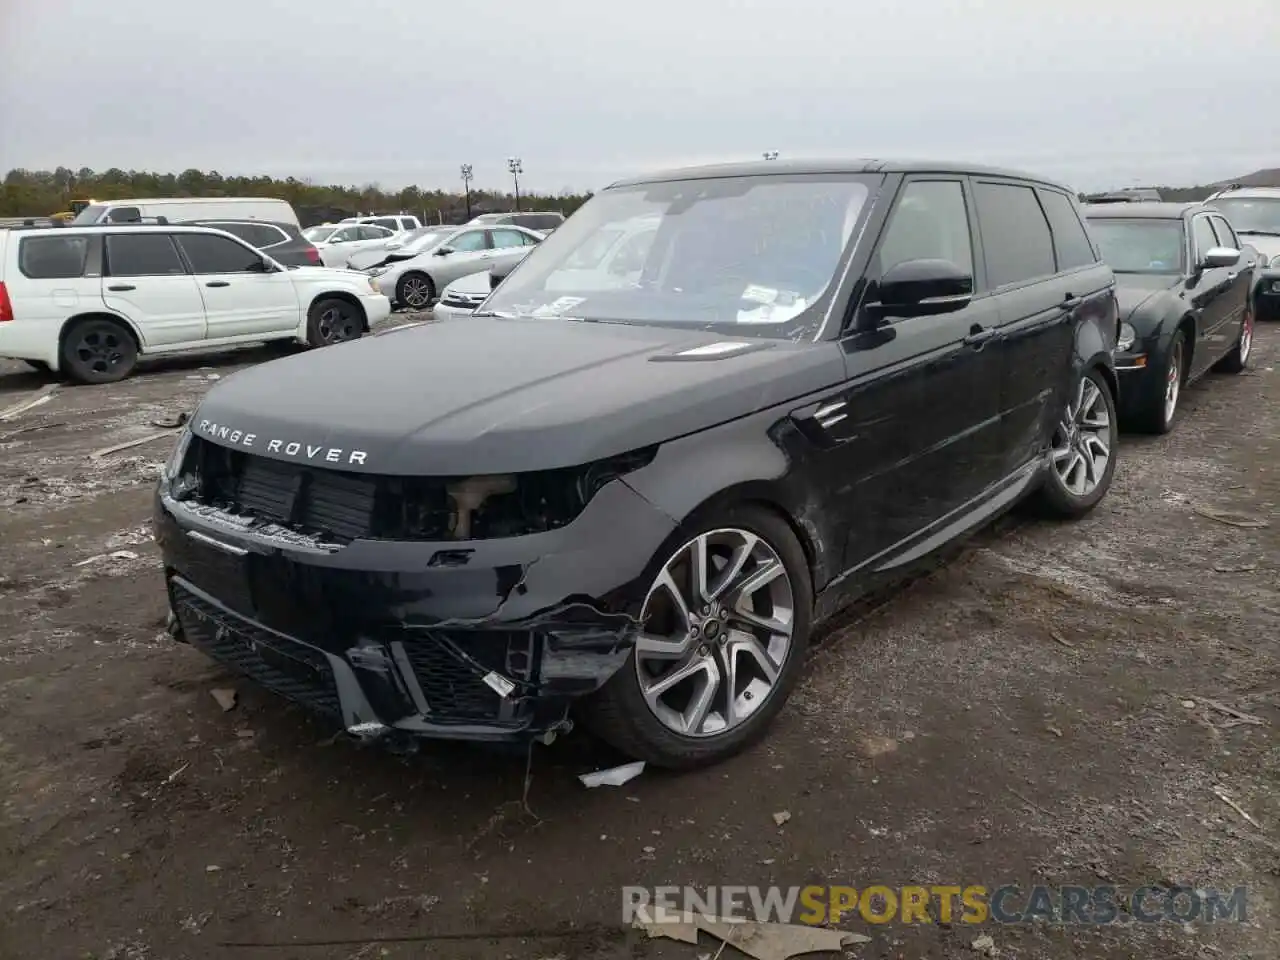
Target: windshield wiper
(1261, 233)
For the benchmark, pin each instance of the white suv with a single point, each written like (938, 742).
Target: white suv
(88, 301)
(397, 223)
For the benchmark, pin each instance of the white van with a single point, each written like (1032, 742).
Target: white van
(176, 209)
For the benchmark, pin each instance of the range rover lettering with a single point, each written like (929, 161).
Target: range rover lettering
(625, 491)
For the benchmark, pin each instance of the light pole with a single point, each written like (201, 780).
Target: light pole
(771, 154)
(466, 186)
(516, 168)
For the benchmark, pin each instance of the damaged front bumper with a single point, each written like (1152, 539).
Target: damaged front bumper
(474, 640)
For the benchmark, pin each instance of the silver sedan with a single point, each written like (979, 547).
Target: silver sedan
(416, 282)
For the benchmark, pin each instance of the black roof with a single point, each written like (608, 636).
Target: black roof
(1144, 210)
(756, 168)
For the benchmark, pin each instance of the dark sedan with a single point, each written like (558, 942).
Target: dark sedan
(1183, 283)
(634, 488)
(282, 242)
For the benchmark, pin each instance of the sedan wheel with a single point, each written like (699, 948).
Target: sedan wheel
(725, 624)
(1082, 450)
(1173, 380)
(719, 621)
(415, 291)
(1238, 359)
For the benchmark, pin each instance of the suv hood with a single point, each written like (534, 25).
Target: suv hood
(502, 396)
(327, 273)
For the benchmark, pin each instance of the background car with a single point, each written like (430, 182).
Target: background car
(283, 242)
(396, 223)
(542, 221)
(337, 242)
(1183, 285)
(1254, 213)
(403, 246)
(414, 282)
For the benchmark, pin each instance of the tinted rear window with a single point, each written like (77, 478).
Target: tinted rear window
(49, 258)
(1069, 237)
(142, 255)
(1015, 235)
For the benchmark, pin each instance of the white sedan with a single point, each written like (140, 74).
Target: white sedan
(338, 241)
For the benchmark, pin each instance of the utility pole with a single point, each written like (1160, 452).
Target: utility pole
(516, 168)
(466, 186)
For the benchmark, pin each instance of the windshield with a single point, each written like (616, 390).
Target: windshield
(90, 214)
(1140, 246)
(319, 234)
(750, 255)
(1252, 214)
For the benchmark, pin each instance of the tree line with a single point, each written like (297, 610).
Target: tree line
(43, 193)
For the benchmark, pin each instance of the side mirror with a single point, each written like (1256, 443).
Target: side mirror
(921, 288)
(443, 251)
(1219, 257)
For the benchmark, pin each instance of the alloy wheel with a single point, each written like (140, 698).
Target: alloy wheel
(718, 630)
(337, 325)
(1173, 381)
(1246, 337)
(1082, 441)
(100, 349)
(417, 292)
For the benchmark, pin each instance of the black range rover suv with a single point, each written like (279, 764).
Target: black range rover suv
(635, 490)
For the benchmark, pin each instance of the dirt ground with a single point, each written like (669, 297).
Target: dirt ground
(1036, 710)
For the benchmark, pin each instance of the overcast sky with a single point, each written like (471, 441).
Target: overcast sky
(1099, 93)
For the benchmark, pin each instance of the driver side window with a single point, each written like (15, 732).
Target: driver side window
(345, 234)
(1205, 240)
(929, 223)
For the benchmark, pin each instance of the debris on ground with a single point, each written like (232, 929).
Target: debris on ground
(107, 451)
(171, 423)
(781, 817)
(876, 746)
(1059, 638)
(1221, 795)
(1237, 716)
(763, 941)
(113, 555)
(1231, 519)
(1243, 568)
(985, 945)
(226, 698)
(614, 776)
(41, 396)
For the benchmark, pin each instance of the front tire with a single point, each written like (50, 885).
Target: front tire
(1238, 359)
(1083, 450)
(726, 624)
(415, 290)
(332, 320)
(1159, 407)
(98, 350)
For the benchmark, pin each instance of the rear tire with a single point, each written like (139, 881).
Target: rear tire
(415, 290)
(332, 320)
(1238, 359)
(1083, 450)
(741, 546)
(1158, 409)
(99, 350)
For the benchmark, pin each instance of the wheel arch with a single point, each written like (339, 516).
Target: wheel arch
(118, 318)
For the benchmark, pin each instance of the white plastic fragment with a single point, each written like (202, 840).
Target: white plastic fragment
(614, 776)
(499, 684)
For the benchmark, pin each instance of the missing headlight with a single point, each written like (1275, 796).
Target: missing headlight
(491, 507)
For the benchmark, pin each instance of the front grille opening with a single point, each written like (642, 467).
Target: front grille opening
(340, 506)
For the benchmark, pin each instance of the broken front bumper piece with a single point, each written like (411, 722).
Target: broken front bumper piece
(388, 643)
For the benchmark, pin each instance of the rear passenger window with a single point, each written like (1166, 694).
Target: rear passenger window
(52, 258)
(407, 224)
(1069, 237)
(242, 230)
(210, 254)
(142, 255)
(929, 223)
(124, 215)
(1015, 234)
(388, 223)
